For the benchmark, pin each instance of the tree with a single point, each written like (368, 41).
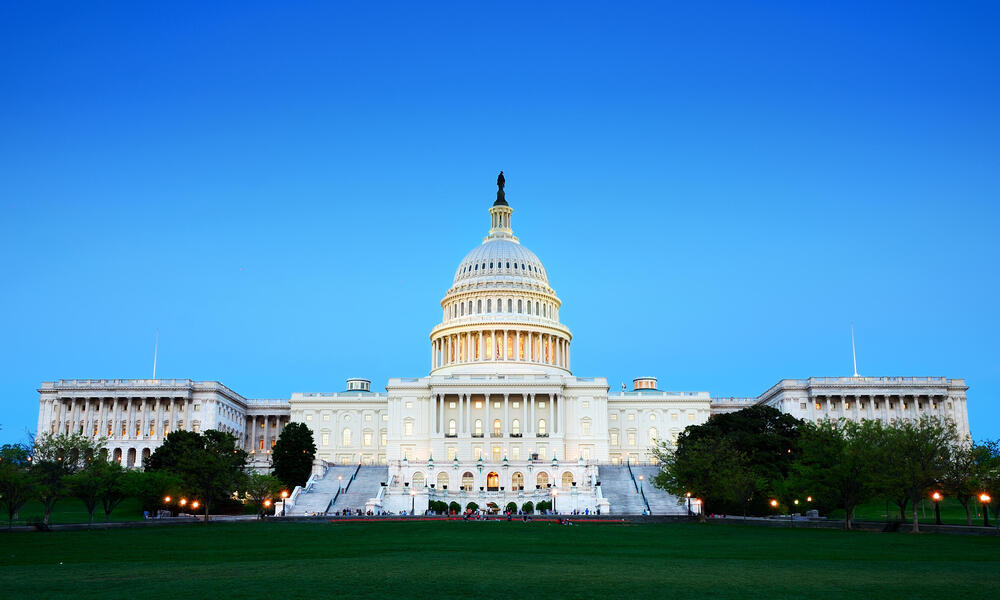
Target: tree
(709, 468)
(543, 506)
(54, 458)
(455, 507)
(86, 485)
(768, 441)
(838, 462)
(472, 506)
(962, 476)
(293, 454)
(17, 486)
(528, 508)
(210, 465)
(921, 451)
(113, 487)
(511, 507)
(150, 487)
(260, 488)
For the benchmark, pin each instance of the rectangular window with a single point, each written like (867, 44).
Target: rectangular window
(409, 404)
(496, 454)
(260, 443)
(585, 453)
(309, 417)
(631, 438)
(541, 404)
(614, 438)
(818, 406)
(614, 417)
(452, 452)
(408, 453)
(367, 439)
(451, 405)
(368, 418)
(541, 453)
(515, 453)
(326, 439)
(326, 417)
(478, 404)
(496, 404)
(631, 417)
(385, 417)
(408, 428)
(515, 405)
(690, 416)
(802, 406)
(586, 428)
(384, 439)
(586, 404)
(477, 453)
(673, 416)
(197, 407)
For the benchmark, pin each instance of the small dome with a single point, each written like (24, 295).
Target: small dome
(501, 259)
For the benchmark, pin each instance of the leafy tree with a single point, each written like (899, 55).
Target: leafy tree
(210, 465)
(708, 467)
(86, 485)
(766, 438)
(963, 476)
(455, 507)
(293, 454)
(511, 507)
(472, 506)
(838, 462)
(16, 484)
(259, 488)
(543, 506)
(528, 507)
(54, 458)
(113, 487)
(150, 487)
(920, 452)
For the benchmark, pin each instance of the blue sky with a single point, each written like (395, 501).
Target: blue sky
(717, 192)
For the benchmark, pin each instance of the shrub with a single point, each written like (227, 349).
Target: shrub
(455, 507)
(511, 507)
(528, 507)
(543, 506)
(472, 506)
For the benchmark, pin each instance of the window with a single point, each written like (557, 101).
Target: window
(673, 416)
(368, 418)
(515, 405)
(517, 481)
(542, 453)
(528, 306)
(489, 303)
(385, 417)
(541, 427)
(451, 404)
(496, 428)
(818, 406)
(541, 404)
(631, 438)
(614, 438)
(479, 306)
(631, 417)
(586, 427)
(408, 453)
(478, 404)
(510, 305)
(383, 438)
(463, 309)
(468, 480)
(366, 439)
(520, 307)
(418, 480)
(496, 454)
(614, 417)
(585, 453)
(690, 416)
(451, 427)
(477, 453)
(197, 407)
(452, 453)
(515, 453)
(345, 437)
(536, 308)
(652, 416)
(409, 404)
(260, 443)
(653, 435)
(802, 406)
(326, 440)
(477, 427)
(408, 428)
(515, 427)
(326, 417)
(585, 404)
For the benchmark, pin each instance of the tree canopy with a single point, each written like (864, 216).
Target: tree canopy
(293, 454)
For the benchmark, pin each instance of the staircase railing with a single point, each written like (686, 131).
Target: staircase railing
(330, 504)
(646, 502)
(630, 474)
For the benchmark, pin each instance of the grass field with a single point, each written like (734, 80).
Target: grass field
(494, 560)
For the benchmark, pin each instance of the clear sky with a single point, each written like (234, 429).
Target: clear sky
(285, 190)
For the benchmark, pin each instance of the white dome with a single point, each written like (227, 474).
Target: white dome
(499, 259)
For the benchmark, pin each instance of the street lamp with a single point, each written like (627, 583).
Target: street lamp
(937, 497)
(194, 505)
(340, 482)
(688, 496)
(166, 499)
(555, 493)
(413, 501)
(984, 498)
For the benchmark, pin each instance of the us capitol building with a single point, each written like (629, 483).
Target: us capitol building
(500, 417)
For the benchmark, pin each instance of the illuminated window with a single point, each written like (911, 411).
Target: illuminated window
(653, 435)
(515, 427)
(409, 404)
(614, 438)
(368, 418)
(496, 427)
(408, 428)
(477, 453)
(477, 427)
(452, 453)
(496, 404)
(478, 404)
(326, 417)
(690, 416)
(586, 428)
(652, 416)
(451, 427)
(367, 439)
(308, 418)
(541, 427)
(631, 417)
(515, 453)
(614, 417)
(260, 443)
(383, 438)
(345, 438)
(326, 440)
(541, 455)
(515, 405)
(818, 406)
(631, 438)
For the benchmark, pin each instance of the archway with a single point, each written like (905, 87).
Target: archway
(118, 455)
(517, 481)
(131, 458)
(442, 480)
(417, 481)
(542, 480)
(493, 482)
(567, 479)
(468, 480)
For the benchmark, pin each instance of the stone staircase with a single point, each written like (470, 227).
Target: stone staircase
(617, 487)
(364, 487)
(318, 496)
(660, 502)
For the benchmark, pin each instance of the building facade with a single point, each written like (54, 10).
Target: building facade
(500, 409)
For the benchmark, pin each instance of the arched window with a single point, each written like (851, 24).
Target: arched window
(417, 481)
(517, 481)
(520, 307)
(541, 427)
(536, 308)
(567, 479)
(542, 480)
(496, 427)
(492, 481)
(451, 427)
(479, 306)
(653, 435)
(468, 480)
(510, 305)
(470, 307)
(499, 305)
(463, 308)
(442, 480)
(529, 307)
(489, 306)
(345, 437)
(477, 427)
(544, 310)
(515, 427)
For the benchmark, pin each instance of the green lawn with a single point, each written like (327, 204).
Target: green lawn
(71, 510)
(951, 512)
(492, 560)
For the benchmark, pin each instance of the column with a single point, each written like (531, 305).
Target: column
(552, 414)
(559, 412)
(468, 412)
(529, 410)
(506, 415)
(517, 346)
(488, 425)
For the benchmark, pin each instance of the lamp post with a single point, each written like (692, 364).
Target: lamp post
(340, 482)
(413, 501)
(555, 493)
(937, 497)
(284, 498)
(984, 498)
(688, 496)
